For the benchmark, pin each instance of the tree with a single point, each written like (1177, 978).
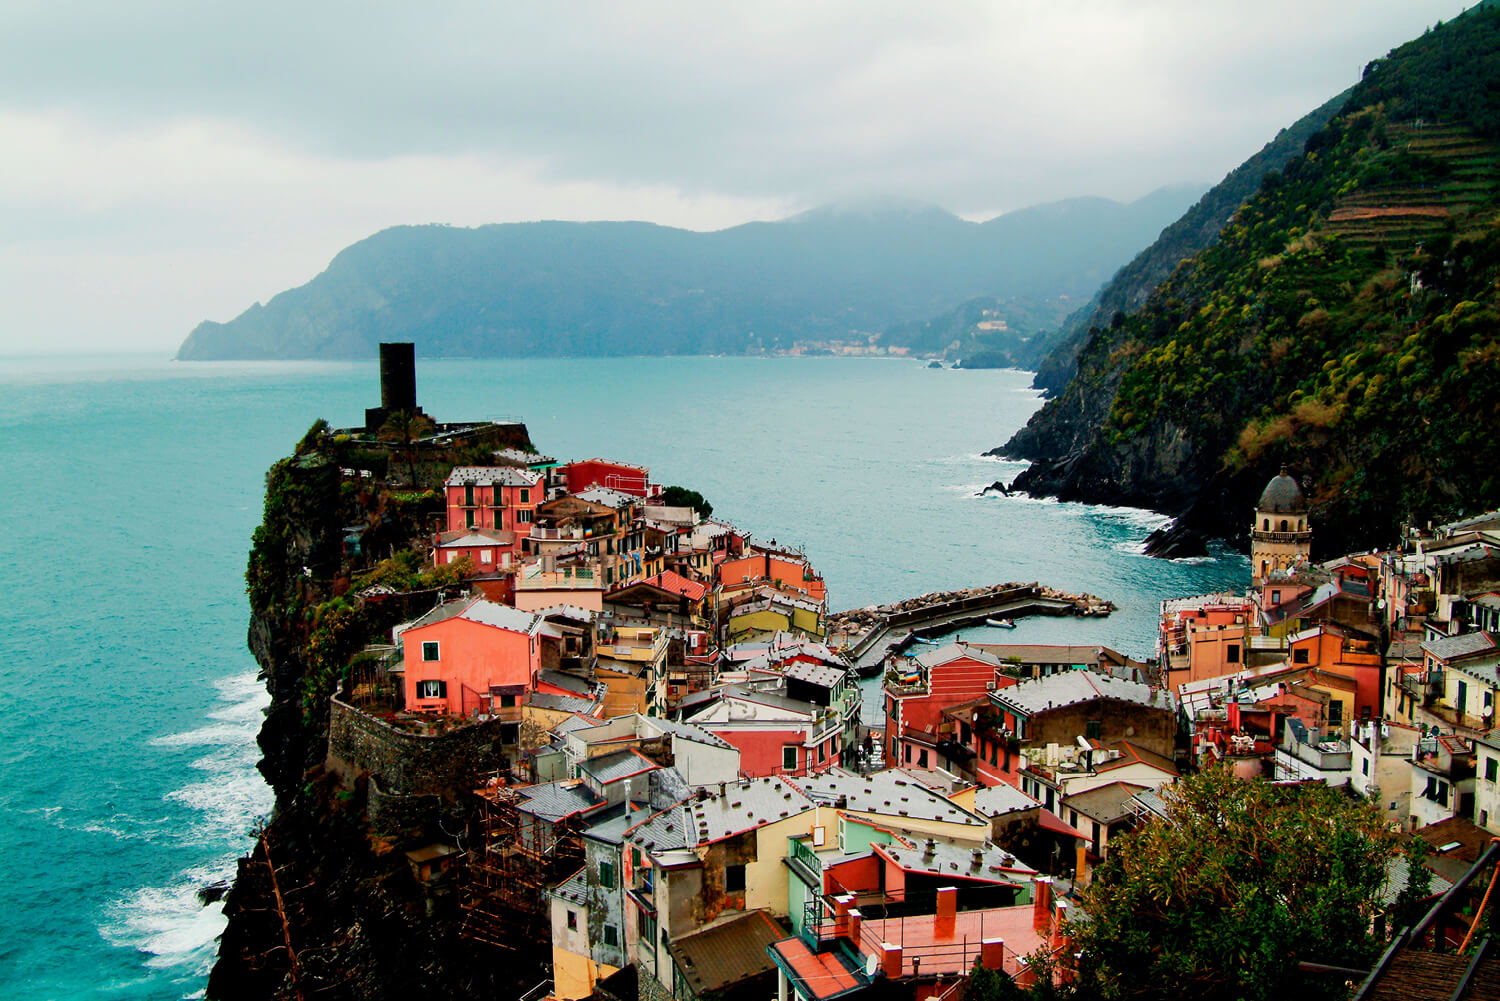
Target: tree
(1225, 895)
(407, 428)
(1411, 902)
(683, 497)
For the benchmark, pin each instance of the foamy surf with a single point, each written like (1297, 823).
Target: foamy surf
(168, 924)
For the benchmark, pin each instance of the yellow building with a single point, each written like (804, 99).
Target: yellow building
(1281, 535)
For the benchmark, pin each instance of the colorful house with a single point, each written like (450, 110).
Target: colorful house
(918, 689)
(582, 474)
(788, 571)
(471, 657)
(502, 498)
(775, 734)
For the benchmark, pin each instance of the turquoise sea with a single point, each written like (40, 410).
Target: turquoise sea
(130, 703)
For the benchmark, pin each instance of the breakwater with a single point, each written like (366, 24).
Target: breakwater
(869, 635)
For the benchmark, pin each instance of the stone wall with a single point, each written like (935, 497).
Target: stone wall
(410, 764)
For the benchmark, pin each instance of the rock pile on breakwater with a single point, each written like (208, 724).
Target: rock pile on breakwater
(859, 620)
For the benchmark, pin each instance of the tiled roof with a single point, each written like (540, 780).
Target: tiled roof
(575, 722)
(1132, 754)
(940, 858)
(574, 889)
(475, 537)
(1105, 804)
(662, 831)
(938, 656)
(726, 954)
(525, 458)
(607, 496)
(561, 703)
(1454, 647)
(507, 476)
(888, 794)
(485, 612)
(998, 800)
(1077, 687)
(554, 801)
(671, 580)
(686, 731)
(608, 768)
(816, 674)
(744, 806)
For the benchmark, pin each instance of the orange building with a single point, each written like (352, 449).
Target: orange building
(622, 476)
(469, 657)
(787, 571)
(1341, 651)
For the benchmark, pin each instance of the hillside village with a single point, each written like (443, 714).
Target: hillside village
(620, 730)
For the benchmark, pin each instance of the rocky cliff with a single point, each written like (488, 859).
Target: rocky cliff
(326, 905)
(1346, 322)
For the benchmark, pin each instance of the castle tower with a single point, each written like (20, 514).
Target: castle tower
(1281, 535)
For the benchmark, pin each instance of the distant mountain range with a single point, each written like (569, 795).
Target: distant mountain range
(607, 288)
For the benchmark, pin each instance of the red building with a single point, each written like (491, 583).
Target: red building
(502, 498)
(923, 686)
(775, 734)
(622, 476)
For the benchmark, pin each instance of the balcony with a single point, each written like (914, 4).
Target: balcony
(568, 578)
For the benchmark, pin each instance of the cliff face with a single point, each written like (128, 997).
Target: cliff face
(326, 905)
(1345, 322)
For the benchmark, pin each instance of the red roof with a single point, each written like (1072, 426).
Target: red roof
(1052, 822)
(821, 975)
(671, 580)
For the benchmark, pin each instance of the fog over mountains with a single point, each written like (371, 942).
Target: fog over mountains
(610, 288)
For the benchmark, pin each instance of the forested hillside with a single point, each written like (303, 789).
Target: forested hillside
(1346, 322)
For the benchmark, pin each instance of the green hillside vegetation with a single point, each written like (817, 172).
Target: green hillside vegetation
(1347, 321)
(1129, 289)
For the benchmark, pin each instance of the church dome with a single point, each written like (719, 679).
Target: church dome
(1282, 496)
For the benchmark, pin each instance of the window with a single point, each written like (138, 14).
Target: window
(789, 757)
(572, 920)
(1283, 524)
(468, 495)
(430, 650)
(908, 754)
(507, 702)
(635, 857)
(1335, 713)
(734, 879)
(451, 556)
(611, 935)
(1364, 766)
(1091, 728)
(1491, 767)
(432, 689)
(1461, 701)
(922, 758)
(1232, 654)
(822, 753)
(469, 518)
(607, 875)
(1299, 655)
(1275, 597)
(524, 517)
(486, 556)
(525, 495)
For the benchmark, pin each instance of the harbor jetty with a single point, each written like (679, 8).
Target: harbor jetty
(869, 635)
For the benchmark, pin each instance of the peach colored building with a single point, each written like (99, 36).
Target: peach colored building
(1206, 636)
(471, 656)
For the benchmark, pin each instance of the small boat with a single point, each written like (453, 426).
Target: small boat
(1001, 623)
(924, 639)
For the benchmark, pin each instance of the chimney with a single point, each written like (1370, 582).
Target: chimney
(842, 905)
(1059, 936)
(856, 919)
(890, 960)
(947, 908)
(1041, 906)
(992, 954)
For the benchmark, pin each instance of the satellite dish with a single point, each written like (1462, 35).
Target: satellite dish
(871, 963)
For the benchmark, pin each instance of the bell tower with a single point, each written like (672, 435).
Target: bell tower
(1281, 535)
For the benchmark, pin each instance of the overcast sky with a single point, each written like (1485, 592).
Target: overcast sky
(169, 161)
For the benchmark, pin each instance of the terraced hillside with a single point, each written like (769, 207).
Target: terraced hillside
(1346, 322)
(1431, 179)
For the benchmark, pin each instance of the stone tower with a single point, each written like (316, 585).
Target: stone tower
(1281, 536)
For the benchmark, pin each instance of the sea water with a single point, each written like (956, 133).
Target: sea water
(127, 727)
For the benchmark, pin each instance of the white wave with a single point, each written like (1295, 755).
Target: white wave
(168, 924)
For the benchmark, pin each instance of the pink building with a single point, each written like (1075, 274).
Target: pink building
(471, 656)
(502, 498)
(937, 679)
